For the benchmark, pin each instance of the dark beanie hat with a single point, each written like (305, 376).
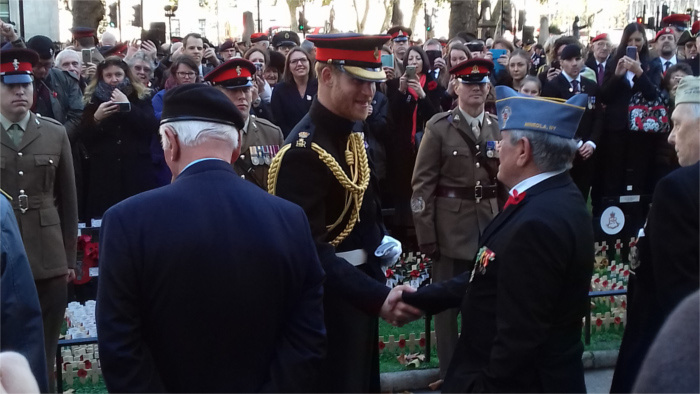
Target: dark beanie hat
(570, 51)
(42, 45)
(200, 102)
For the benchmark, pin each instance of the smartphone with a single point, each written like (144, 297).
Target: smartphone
(632, 52)
(124, 107)
(556, 65)
(388, 60)
(497, 53)
(432, 55)
(87, 56)
(258, 67)
(411, 72)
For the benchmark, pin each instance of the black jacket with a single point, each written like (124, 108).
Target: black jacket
(667, 271)
(288, 107)
(590, 127)
(523, 308)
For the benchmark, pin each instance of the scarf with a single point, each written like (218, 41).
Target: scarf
(415, 109)
(103, 91)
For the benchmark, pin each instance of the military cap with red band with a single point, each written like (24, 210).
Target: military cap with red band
(257, 37)
(399, 33)
(17, 65)
(359, 55)
(677, 20)
(233, 74)
(665, 30)
(475, 70)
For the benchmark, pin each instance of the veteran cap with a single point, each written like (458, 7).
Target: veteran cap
(600, 37)
(472, 71)
(200, 102)
(257, 37)
(233, 74)
(285, 39)
(679, 21)
(399, 33)
(17, 65)
(688, 90)
(553, 116)
(42, 45)
(226, 45)
(357, 54)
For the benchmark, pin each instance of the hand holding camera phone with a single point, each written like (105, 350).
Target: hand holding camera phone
(411, 72)
(87, 55)
(631, 52)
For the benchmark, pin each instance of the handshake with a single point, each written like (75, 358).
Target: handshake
(395, 311)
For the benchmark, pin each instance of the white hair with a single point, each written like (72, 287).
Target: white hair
(66, 53)
(195, 132)
(549, 152)
(108, 39)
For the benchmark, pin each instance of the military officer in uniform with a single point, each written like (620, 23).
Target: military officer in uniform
(399, 45)
(523, 303)
(260, 139)
(323, 168)
(37, 171)
(455, 187)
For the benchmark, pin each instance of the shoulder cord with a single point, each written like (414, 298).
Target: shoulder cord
(354, 188)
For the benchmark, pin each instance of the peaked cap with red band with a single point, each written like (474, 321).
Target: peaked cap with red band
(358, 54)
(17, 65)
(233, 74)
(599, 37)
(695, 28)
(82, 32)
(399, 33)
(665, 30)
(257, 37)
(476, 70)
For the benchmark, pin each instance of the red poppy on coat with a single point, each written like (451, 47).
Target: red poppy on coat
(432, 85)
(389, 273)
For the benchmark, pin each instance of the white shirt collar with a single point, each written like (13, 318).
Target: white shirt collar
(22, 123)
(470, 120)
(603, 63)
(568, 78)
(533, 180)
(247, 121)
(673, 60)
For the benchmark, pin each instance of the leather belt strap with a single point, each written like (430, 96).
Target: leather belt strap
(475, 193)
(24, 202)
(355, 257)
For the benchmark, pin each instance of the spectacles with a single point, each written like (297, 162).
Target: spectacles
(144, 69)
(300, 60)
(183, 74)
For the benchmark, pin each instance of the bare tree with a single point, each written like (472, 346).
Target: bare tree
(88, 13)
(361, 23)
(389, 11)
(396, 14)
(417, 5)
(464, 15)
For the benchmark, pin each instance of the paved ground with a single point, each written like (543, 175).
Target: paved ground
(598, 380)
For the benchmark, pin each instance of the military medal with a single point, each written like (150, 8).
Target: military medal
(483, 257)
(591, 102)
(267, 155)
(254, 156)
(490, 149)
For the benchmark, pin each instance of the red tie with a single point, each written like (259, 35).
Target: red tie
(514, 199)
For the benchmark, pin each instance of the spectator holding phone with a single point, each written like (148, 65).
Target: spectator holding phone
(182, 72)
(117, 128)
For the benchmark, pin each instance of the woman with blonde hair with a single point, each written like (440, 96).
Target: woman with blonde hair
(117, 128)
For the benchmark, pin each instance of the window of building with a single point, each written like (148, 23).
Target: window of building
(5, 10)
(175, 26)
(203, 27)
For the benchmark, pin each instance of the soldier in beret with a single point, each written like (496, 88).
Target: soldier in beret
(209, 268)
(227, 50)
(260, 138)
(524, 302)
(37, 172)
(323, 168)
(455, 188)
(260, 40)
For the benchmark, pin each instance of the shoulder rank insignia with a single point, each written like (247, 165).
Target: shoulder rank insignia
(301, 142)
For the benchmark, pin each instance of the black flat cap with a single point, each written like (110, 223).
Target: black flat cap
(43, 46)
(285, 39)
(200, 102)
(570, 51)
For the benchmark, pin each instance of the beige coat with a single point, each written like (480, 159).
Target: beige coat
(260, 133)
(444, 159)
(42, 166)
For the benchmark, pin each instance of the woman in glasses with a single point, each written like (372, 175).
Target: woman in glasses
(183, 71)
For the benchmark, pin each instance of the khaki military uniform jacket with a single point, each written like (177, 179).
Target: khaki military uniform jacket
(261, 140)
(38, 174)
(445, 161)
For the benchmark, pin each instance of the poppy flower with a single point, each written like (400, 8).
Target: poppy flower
(88, 364)
(382, 345)
(599, 322)
(402, 343)
(82, 373)
(389, 273)
(421, 342)
(432, 85)
(618, 320)
(415, 273)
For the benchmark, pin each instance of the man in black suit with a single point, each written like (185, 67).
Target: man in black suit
(567, 84)
(208, 284)
(601, 47)
(666, 270)
(666, 47)
(523, 305)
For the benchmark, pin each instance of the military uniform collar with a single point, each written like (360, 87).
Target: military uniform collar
(470, 120)
(22, 123)
(247, 122)
(324, 119)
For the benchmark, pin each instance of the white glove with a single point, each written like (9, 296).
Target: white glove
(388, 251)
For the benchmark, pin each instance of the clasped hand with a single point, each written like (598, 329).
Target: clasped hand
(396, 312)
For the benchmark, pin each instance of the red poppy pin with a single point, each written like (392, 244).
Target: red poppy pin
(432, 85)
(514, 199)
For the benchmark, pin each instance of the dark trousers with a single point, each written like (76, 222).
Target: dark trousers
(446, 331)
(582, 173)
(352, 361)
(53, 294)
